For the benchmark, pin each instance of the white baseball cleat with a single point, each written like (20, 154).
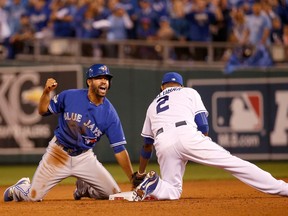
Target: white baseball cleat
(8, 193)
(147, 186)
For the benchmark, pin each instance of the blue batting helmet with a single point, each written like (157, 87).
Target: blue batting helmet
(172, 77)
(98, 70)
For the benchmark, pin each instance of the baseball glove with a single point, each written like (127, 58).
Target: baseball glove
(137, 178)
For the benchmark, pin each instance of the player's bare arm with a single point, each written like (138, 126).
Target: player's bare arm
(50, 85)
(124, 161)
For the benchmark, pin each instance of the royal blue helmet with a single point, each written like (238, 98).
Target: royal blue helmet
(172, 77)
(98, 70)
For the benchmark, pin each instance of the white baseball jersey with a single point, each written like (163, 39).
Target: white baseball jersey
(172, 105)
(170, 122)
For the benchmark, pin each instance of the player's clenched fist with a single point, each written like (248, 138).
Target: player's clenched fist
(51, 84)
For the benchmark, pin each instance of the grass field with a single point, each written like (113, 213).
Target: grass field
(279, 169)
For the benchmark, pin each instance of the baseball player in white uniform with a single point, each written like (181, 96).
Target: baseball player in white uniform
(176, 125)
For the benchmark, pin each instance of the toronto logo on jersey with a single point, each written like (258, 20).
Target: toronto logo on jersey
(88, 124)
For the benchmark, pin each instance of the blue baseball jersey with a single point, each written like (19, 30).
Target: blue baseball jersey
(81, 123)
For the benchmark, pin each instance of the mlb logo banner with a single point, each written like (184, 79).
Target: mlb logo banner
(247, 116)
(237, 111)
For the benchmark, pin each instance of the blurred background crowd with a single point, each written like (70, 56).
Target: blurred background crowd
(248, 22)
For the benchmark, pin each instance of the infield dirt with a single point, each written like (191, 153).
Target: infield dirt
(221, 197)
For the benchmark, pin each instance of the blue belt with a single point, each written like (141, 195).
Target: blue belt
(177, 124)
(71, 152)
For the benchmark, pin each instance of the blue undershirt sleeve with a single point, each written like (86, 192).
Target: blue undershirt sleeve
(149, 141)
(202, 122)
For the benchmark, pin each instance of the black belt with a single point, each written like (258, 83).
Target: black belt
(71, 152)
(177, 124)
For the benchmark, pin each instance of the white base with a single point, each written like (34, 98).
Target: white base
(128, 195)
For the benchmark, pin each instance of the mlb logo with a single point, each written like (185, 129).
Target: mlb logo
(237, 111)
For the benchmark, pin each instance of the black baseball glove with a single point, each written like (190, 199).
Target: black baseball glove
(137, 178)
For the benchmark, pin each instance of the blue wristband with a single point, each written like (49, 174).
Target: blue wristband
(145, 154)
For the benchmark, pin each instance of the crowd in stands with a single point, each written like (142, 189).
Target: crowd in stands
(252, 22)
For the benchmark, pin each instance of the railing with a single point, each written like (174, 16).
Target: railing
(136, 52)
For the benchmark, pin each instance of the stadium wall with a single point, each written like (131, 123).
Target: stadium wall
(247, 109)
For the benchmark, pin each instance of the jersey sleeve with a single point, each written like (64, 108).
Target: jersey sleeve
(146, 130)
(56, 103)
(114, 132)
(199, 105)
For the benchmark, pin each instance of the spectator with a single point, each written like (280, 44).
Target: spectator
(285, 35)
(119, 23)
(238, 28)
(180, 27)
(268, 10)
(200, 19)
(19, 41)
(145, 12)
(188, 5)
(94, 17)
(111, 4)
(258, 26)
(222, 25)
(5, 31)
(78, 19)
(145, 31)
(280, 7)
(39, 13)
(160, 7)
(285, 40)
(235, 4)
(95, 24)
(61, 18)
(276, 31)
(129, 5)
(15, 10)
(178, 21)
(165, 32)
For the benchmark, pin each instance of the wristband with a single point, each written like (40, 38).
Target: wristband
(146, 155)
(141, 173)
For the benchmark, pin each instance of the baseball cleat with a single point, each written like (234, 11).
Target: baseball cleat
(147, 186)
(81, 190)
(76, 195)
(8, 193)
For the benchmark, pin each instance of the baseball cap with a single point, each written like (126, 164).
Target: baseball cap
(172, 77)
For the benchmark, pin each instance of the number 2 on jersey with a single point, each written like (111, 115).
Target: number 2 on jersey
(161, 107)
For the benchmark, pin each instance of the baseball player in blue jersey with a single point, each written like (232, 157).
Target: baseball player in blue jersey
(84, 115)
(176, 125)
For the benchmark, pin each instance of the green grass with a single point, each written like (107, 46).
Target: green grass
(279, 169)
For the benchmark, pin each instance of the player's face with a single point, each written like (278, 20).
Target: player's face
(99, 85)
